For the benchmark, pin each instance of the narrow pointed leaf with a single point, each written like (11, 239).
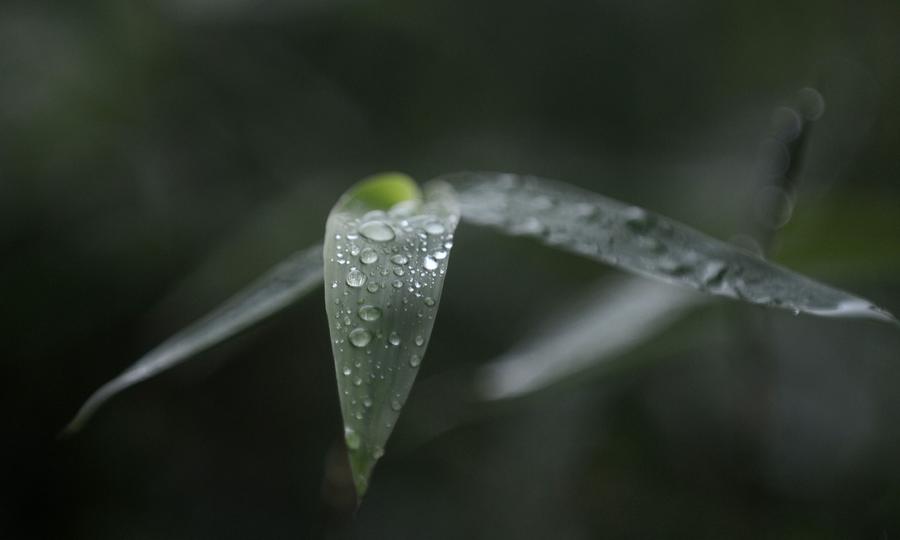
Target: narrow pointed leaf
(615, 319)
(575, 220)
(386, 252)
(277, 289)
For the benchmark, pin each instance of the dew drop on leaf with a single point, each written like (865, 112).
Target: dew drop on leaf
(360, 337)
(368, 256)
(377, 231)
(355, 278)
(369, 313)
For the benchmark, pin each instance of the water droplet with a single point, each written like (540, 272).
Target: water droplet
(414, 361)
(351, 438)
(396, 405)
(636, 218)
(398, 271)
(357, 382)
(377, 231)
(429, 301)
(355, 278)
(713, 272)
(360, 337)
(367, 402)
(368, 256)
(433, 227)
(347, 371)
(399, 258)
(397, 284)
(358, 415)
(369, 313)
(372, 287)
(430, 263)
(419, 341)
(394, 339)
(377, 452)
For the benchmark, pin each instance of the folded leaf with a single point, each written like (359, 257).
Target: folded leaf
(386, 252)
(629, 237)
(274, 291)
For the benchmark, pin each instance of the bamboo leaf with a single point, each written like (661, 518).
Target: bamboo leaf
(386, 252)
(277, 289)
(613, 319)
(634, 239)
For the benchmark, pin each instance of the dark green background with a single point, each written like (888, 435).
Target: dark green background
(156, 156)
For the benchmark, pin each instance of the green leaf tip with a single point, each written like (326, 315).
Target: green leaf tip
(386, 251)
(381, 191)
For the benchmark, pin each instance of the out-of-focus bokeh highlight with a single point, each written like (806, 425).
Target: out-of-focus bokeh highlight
(156, 156)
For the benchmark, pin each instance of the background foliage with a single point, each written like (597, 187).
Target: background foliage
(156, 156)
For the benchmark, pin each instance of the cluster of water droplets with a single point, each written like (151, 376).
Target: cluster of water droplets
(384, 273)
(640, 241)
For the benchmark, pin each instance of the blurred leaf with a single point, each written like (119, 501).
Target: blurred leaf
(644, 243)
(614, 319)
(280, 287)
(386, 252)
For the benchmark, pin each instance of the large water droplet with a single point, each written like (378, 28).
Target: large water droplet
(368, 256)
(355, 278)
(430, 263)
(360, 337)
(433, 227)
(377, 231)
(369, 313)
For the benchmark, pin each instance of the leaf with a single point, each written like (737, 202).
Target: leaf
(575, 220)
(277, 289)
(386, 251)
(613, 320)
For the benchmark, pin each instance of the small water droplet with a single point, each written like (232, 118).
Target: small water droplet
(357, 382)
(367, 402)
(369, 313)
(377, 452)
(372, 287)
(430, 263)
(360, 337)
(419, 341)
(394, 339)
(429, 301)
(414, 361)
(398, 271)
(347, 371)
(355, 278)
(399, 258)
(396, 405)
(440, 254)
(397, 284)
(368, 256)
(377, 231)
